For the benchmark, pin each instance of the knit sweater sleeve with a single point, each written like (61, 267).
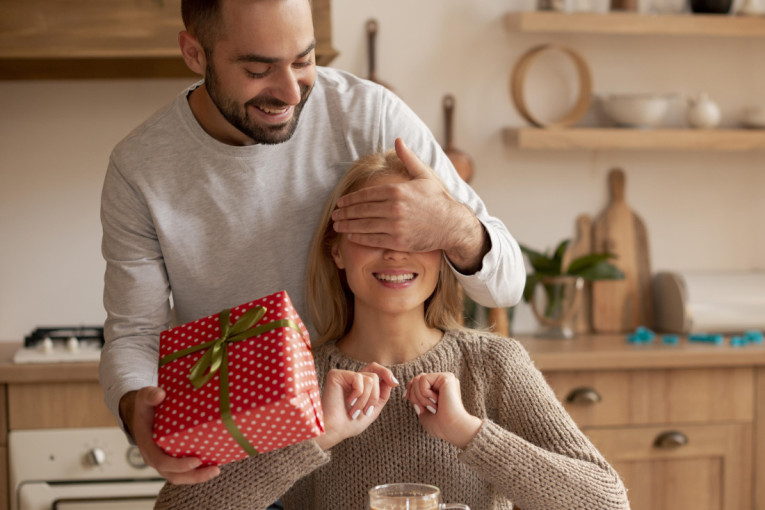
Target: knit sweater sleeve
(528, 446)
(252, 484)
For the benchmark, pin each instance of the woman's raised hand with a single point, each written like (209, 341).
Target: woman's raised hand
(351, 401)
(437, 400)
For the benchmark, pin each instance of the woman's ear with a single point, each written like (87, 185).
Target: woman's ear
(336, 255)
(193, 53)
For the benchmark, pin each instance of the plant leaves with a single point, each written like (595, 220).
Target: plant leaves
(584, 262)
(558, 256)
(602, 271)
(531, 282)
(540, 262)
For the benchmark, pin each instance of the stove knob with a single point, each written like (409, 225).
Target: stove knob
(47, 345)
(72, 344)
(135, 458)
(96, 457)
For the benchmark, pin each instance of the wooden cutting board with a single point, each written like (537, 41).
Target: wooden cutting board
(620, 306)
(580, 246)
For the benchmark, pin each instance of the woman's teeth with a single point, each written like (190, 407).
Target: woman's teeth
(395, 278)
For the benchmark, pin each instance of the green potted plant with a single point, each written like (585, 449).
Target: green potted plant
(563, 286)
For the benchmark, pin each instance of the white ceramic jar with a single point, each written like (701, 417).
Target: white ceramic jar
(702, 113)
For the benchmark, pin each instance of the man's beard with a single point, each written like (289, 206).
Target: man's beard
(239, 118)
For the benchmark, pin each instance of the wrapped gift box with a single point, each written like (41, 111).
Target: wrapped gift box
(238, 383)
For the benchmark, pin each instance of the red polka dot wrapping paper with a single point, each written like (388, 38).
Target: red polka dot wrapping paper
(273, 390)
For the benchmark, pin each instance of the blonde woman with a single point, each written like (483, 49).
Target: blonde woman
(410, 396)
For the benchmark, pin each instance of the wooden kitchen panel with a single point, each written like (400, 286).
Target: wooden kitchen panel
(107, 39)
(632, 23)
(645, 397)
(63, 405)
(3, 417)
(759, 434)
(633, 139)
(5, 495)
(713, 471)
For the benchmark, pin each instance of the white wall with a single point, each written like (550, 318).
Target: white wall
(704, 210)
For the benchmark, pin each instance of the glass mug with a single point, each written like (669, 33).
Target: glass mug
(409, 496)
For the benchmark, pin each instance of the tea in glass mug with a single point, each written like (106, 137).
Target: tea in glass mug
(409, 496)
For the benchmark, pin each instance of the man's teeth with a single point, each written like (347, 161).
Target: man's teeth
(395, 278)
(273, 111)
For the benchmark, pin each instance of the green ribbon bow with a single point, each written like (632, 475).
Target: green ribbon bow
(215, 360)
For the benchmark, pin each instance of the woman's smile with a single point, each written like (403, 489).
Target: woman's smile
(395, 279)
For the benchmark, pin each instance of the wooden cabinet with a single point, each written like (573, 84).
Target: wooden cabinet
(713, 471)
(61, 405)
(46, 396)
(680, 439)
(683, 426)
(43, 39)
(634, 24)
(4, 494)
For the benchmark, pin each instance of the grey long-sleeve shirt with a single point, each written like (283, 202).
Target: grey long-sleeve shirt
(217, 225)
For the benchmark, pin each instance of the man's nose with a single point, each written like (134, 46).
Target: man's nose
(286, 87)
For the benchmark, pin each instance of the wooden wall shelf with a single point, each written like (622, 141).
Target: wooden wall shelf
(630, 139)
(65, 39)
(636, 24)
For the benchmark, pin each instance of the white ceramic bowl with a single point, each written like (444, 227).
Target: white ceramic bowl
(636, 110)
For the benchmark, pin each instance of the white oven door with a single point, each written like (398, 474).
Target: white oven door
(101, 495)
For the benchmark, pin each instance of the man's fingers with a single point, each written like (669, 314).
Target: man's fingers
(177, 465)
(417, 169)
(195, 476)
(153, 395)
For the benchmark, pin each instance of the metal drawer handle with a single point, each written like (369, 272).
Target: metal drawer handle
(583, 396)
(670, 439)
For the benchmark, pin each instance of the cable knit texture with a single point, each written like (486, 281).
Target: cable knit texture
(528, 452)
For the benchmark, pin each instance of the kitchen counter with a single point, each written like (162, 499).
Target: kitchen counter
(42, 372)
(598, 352)
(585, 352)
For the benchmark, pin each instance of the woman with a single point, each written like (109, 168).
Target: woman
(472, 415)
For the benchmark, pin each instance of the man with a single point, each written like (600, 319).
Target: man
(213, 200)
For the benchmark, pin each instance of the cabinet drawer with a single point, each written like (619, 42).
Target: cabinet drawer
(644, 397)
(64, 405)
(711, 471)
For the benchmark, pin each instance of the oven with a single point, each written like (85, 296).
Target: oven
(79, 469)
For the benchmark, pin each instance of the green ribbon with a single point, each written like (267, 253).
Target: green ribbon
(215, 360)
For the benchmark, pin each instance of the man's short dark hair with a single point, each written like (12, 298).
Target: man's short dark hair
(202, 20)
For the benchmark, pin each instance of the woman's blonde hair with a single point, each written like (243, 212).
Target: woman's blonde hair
(330, 300)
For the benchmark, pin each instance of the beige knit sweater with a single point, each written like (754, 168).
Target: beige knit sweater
(528, 452)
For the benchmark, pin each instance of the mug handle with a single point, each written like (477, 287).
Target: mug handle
(453, 506)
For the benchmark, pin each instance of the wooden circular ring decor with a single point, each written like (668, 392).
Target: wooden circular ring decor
(518, 79)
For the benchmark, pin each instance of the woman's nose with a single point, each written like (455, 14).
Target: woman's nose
(395, 255)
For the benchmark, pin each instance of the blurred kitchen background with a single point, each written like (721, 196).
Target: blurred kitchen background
(703, 209)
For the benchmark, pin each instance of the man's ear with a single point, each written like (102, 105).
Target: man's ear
(193, 53)
(336, 256)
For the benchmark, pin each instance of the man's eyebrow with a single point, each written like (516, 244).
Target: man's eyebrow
(252, 57)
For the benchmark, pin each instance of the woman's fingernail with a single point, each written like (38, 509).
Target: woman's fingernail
(432, 400)
(370, 410)
(417, 409)
(356, 414)
(394, 379)
(353, 402)
(406, 392)
(431, 409)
